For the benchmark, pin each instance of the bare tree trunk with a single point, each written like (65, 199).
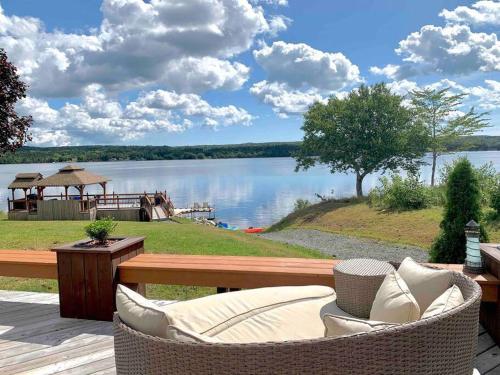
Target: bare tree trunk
(434, 159)
(359, 185)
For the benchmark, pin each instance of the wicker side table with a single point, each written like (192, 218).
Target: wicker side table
(357, 282)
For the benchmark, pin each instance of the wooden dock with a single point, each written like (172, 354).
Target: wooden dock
(35, 340)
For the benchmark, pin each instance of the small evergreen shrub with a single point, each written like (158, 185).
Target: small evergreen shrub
(398, 193)
(301, 204)
(463, 203)
(487, 176)
(100, 230)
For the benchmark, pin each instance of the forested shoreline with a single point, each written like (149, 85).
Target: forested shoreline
(246, 150)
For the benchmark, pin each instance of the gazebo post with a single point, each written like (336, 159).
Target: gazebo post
(103, 185)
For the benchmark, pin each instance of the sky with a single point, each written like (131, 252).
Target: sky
(186, 72)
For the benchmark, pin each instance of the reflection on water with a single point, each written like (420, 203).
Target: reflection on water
(245, 192)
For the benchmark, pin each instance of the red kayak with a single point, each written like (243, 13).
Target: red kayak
(254, 230)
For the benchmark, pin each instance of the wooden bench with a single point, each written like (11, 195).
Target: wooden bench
(39, 264)
(250, 272)
(207, 270)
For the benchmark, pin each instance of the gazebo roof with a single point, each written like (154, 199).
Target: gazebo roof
(25, 180)
(72, 175)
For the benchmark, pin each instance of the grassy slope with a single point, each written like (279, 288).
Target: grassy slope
(355, 218)
(160, 238)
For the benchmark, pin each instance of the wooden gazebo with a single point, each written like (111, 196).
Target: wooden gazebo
(72, 176)
(25, 182)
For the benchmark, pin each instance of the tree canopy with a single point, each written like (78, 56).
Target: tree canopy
(13, 128)
(369, 130)
(438, 111)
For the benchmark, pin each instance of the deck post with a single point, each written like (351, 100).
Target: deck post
(490, 311)
(88, 277)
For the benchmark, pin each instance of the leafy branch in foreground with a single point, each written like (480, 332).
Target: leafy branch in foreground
(13, 128)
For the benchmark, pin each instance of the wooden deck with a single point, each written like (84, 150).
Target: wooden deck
(35, 340)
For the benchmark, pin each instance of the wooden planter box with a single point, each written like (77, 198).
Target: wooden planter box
(87, 277)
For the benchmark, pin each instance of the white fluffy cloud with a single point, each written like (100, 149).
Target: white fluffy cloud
(301, 66)
(453, 49)
(480, 13)
(99, 119)
(285, 101)
(140, 43)
(299, 75)
(271, 2)
(486, 97)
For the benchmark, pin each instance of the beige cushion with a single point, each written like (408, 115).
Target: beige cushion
(426, 284)
(449, 299)
(139, 313)
(394, 302)
(336, 326)
(256, 315)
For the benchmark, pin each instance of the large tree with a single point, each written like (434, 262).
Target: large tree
(438, 111)
(369, 130)
(13, 128)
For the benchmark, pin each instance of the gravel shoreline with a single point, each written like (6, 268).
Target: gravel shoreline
(344, 247)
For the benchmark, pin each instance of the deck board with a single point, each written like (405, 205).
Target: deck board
(34, 339)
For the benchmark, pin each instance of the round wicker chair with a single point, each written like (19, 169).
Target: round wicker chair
(442, 345)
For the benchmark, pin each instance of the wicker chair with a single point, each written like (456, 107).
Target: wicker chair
(442, 345)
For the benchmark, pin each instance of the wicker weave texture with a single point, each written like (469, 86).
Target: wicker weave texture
(357, 282)
(440, 345)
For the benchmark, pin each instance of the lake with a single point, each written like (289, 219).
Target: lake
(245, 192)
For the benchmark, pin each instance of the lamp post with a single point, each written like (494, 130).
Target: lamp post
(473, 260)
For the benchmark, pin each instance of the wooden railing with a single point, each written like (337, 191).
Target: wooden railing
(148, 206)
(21, 205)
(167, 205)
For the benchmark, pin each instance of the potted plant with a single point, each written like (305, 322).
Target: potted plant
(100, 230)
(87, 271)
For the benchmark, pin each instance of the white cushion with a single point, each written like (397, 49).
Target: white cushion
(394, 302)
(140, 314)
(426, 284)
(337, 326)
(448, 300)
(257, 315)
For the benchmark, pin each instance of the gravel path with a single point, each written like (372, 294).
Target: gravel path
(344, 247)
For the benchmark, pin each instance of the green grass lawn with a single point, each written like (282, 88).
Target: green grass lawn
(169, 238)
(355, 218)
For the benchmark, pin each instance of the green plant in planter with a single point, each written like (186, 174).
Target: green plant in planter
(100, 230)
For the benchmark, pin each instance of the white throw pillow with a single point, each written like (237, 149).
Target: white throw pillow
(451, 298)
(426, 284)
(394, 302)
(140, 314)
(336, 326)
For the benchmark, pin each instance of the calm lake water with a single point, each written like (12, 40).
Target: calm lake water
(245, 192)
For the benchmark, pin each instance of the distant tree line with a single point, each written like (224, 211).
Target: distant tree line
(115, 153)
(247, 150)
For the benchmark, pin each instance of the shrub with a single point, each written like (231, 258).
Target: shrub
(487, 176)
(463, 198)
(495, 200)
(398, 193)
(301, 204)
(100, 230)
